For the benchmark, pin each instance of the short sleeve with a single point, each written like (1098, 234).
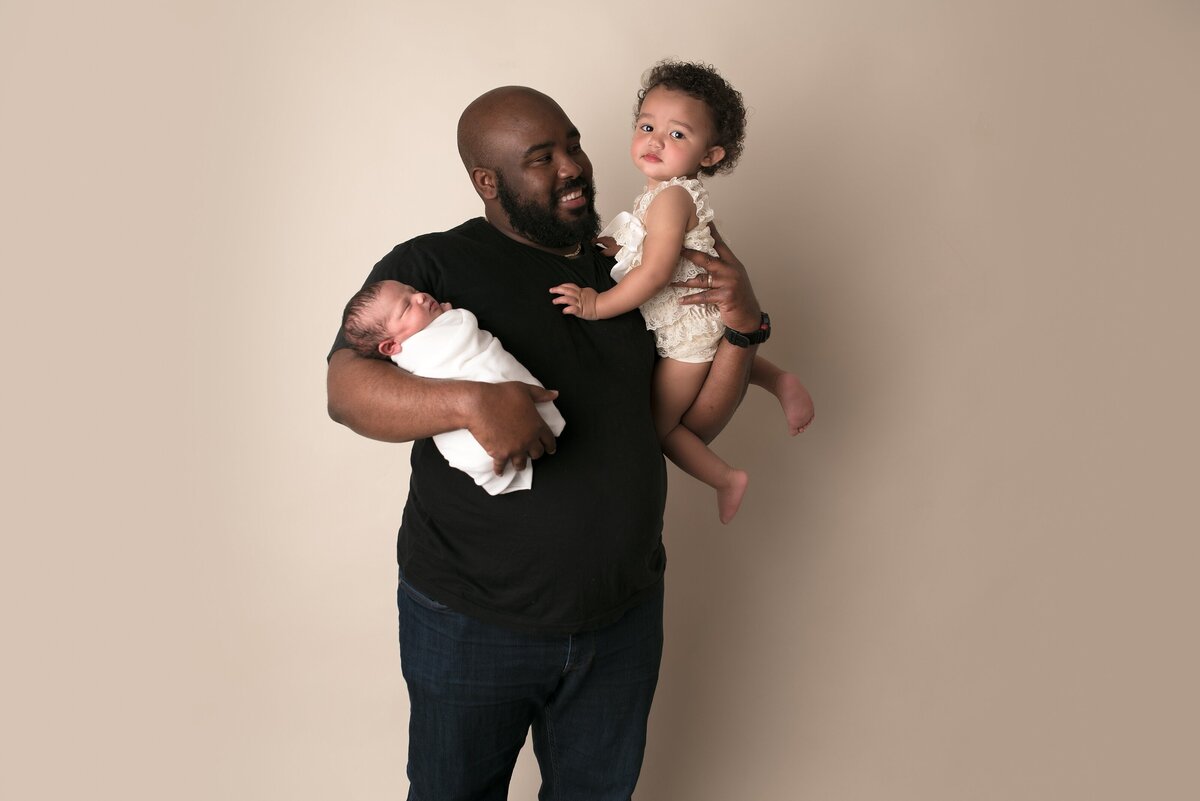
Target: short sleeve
(408, 263)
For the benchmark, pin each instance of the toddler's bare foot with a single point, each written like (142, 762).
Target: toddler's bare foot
(796, 402)
(729, 497)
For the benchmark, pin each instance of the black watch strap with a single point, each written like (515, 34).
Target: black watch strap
(756, 337)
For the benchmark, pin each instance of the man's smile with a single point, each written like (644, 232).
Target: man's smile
(573, 198)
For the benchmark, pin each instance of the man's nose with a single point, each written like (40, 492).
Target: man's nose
(568, 167)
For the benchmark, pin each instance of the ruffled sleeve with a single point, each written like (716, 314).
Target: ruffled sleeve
(629, 232)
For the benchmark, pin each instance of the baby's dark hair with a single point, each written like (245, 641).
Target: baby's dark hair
(703, 82)
(363, 326)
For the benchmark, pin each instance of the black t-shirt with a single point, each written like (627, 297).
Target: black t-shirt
(585, 543)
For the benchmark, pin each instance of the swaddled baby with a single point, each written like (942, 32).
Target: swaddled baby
(392, 320)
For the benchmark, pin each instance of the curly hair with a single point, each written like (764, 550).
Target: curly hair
(703, 82)
(362, 324)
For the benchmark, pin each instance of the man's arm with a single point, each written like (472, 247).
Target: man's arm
(378, 400)
(729, 375)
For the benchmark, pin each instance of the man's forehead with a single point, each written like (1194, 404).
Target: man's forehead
(523, 137)
(510, 123)
(532, 119)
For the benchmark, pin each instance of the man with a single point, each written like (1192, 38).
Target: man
(539, 608)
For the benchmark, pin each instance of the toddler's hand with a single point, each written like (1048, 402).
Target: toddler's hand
(579, 301)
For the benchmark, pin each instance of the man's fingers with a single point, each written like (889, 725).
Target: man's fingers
(607, 245)
(541, 394)
(719, 243)
(699, 282)
(698, 258)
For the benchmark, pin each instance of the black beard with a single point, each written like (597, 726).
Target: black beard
(540, 224)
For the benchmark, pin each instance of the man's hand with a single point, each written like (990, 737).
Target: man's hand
(606, 245)
(508, 426)
(576, 300)
(729, 288)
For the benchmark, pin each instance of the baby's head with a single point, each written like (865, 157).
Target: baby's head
(384, 314)
(671, 89)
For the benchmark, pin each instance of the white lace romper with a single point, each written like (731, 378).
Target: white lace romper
(684, 333)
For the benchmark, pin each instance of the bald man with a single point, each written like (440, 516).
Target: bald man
(540, 608)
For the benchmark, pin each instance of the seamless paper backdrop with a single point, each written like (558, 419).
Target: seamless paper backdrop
(973, 224)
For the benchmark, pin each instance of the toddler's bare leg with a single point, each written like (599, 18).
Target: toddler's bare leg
(675, 387)
(793, 397)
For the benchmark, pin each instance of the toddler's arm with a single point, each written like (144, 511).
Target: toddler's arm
(666, 223)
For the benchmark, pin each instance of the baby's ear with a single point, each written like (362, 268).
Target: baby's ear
(390, 347)
(715, 155)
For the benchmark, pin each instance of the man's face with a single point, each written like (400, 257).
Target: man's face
(545, 188)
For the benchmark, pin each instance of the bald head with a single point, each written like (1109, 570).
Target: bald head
(487, 124)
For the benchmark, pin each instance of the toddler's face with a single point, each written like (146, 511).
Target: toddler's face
(405, 310)
(672, 134)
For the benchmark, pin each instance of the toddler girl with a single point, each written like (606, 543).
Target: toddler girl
(690, 121)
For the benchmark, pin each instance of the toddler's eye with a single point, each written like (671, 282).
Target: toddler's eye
(676, 134)
(645, 128)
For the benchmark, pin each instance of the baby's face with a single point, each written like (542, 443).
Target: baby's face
(672, 136)
(405, 310)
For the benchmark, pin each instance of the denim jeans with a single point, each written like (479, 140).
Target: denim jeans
(475, 689)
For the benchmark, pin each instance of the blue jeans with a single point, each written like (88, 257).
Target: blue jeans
(475, 689)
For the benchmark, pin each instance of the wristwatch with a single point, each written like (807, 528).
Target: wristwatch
(756, 337)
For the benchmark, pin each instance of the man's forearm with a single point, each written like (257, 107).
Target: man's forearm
(378, 400)
(722, 392)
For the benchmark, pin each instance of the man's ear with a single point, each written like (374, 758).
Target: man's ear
(390, 347)
(484, 181)
(715, 155)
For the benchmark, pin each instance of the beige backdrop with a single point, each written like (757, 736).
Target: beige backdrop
(974, 223)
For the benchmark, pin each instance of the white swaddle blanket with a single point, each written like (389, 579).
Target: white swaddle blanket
(453, 346)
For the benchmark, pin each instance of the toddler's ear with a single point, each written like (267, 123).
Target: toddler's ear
(390, 347)
(715, 155)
